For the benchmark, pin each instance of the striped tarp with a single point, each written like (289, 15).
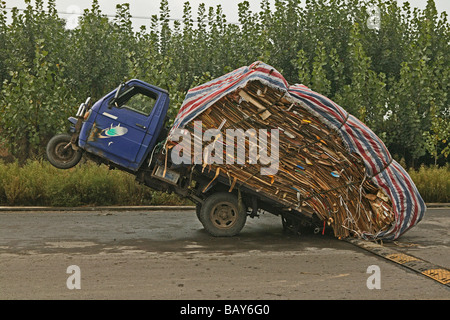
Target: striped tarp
(381, 168)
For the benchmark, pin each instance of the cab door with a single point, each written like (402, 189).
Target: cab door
(121, 125)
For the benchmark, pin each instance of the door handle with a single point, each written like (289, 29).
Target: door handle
(141, 126)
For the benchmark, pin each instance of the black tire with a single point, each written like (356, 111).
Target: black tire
(290, 225)
(198, 208)
(220, 215)
(60, 154)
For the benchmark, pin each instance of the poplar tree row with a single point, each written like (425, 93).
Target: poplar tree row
(387, 64)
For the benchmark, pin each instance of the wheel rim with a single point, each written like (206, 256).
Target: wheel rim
(224, 215)
(62, 153)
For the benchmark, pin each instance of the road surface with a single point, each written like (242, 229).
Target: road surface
(167, 255)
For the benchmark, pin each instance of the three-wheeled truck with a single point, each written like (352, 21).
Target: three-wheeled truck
(326, 168)
(126, 130)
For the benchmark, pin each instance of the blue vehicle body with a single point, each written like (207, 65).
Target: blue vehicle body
(120, 134)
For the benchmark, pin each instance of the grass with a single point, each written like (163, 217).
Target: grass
(39, 184)
(433, 183)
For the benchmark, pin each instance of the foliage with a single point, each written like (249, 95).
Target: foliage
(394, 77)
(433, 183)
(37, 183)
(31, 107)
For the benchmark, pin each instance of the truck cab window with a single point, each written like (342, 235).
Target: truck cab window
(138, 99)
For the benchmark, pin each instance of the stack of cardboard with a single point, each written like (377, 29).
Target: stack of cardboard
(314, 168)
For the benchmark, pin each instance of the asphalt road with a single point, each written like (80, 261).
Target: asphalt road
(167, 255)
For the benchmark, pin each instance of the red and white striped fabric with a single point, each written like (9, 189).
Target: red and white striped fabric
(381, 168)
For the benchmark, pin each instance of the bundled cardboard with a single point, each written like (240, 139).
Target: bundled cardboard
(316, 168)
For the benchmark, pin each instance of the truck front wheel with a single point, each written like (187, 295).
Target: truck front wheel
(221, 216)
(61, 154)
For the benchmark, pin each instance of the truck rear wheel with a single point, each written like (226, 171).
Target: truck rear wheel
(220, 215)
(60, 154)
(198, 208)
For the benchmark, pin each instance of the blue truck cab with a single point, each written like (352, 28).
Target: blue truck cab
(124, 125)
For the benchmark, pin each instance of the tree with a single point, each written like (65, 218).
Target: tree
(394, 77)
(319, 81)
(285, 35)
(3, 42)
(365, 97)
(96, 62)
(437, 140)
(34, 105)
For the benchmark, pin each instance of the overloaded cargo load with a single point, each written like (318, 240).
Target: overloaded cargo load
(317, 156)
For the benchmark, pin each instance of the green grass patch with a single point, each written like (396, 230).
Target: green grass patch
(433, 183)
(37, 183)
(40, 184)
